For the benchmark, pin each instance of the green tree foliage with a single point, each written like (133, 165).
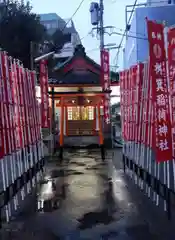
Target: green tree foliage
(18, 27)
(59, 39)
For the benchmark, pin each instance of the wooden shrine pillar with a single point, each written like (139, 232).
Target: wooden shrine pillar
(53, 119)
(61, 127)
(101, 138)
(100, 133)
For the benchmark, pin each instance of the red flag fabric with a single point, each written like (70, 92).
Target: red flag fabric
(105, 70)
(139, 90)
(122, 106)
(7, 100)
(124, 100)
(171, 71)
(18, 107)
(44, 94)
(160, 91)
(2, 153)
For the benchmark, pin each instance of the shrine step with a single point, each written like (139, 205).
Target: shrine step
(81, 140)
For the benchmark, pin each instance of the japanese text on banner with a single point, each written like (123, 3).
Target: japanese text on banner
(171, 71)
(106, 83)
(44, 94)
(160, 91)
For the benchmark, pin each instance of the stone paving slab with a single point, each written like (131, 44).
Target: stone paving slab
(94, 200)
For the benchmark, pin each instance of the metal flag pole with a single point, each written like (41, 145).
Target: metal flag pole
(30, 134)
(150, 116)
(18, 125)
(171, 112)
(135, 120)
(12, 114)
(140, 120)
(144, 146)
(142, 153)
(137, 93)
(36, 159)
(15, 162)
(166, 164)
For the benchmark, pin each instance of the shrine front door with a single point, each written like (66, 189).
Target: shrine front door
(81, 121)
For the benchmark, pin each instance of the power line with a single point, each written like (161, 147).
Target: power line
(123, 30)
(124, 34)
(116, 57)
(85, 36)
(92, 50)
(70, 19)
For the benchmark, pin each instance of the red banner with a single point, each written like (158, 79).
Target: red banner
(29, 89)
(105, 70)
(7, 101)
(1, 112)
(36, 125)
(44, 94)
(124, 99)
(171, 70)
(18, 107)
(122, 105)
(160, 91)
(106, 83)
(139, 87)
(129, 81)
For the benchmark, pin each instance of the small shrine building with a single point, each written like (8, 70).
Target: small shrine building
(77, 99)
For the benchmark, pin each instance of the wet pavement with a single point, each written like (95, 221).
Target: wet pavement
(86, 198)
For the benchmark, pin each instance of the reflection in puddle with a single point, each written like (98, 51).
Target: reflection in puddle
(51, 194)
(105, 215)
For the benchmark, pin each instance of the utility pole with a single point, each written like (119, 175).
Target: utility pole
(101, 30)
(96, 10)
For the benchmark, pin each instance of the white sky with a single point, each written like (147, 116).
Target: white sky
(114, 15)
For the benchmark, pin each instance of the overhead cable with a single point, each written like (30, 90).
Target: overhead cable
(124, 34)
(70, 19)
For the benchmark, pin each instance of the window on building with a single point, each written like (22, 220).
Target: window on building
(53, 25)
(48, 25)
(73, 113)
(91, 112)
(80, 113)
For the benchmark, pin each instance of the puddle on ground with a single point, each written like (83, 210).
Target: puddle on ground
(110, 235)
(57, 173)
(92, 219)
(78, 163)
(105, 215)
(104, 176)
(51, 194)
(92, 168)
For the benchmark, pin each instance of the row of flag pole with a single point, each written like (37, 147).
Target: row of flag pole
(20, 127)
(148, 110)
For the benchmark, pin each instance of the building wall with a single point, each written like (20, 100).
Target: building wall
(52, 22)
(159, 2)
(130, 51)
(138, 26)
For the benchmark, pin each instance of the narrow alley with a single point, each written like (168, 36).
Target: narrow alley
(78, 200)
(87, 120)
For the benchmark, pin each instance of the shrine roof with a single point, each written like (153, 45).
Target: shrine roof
(79, 52)
(79, 69)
